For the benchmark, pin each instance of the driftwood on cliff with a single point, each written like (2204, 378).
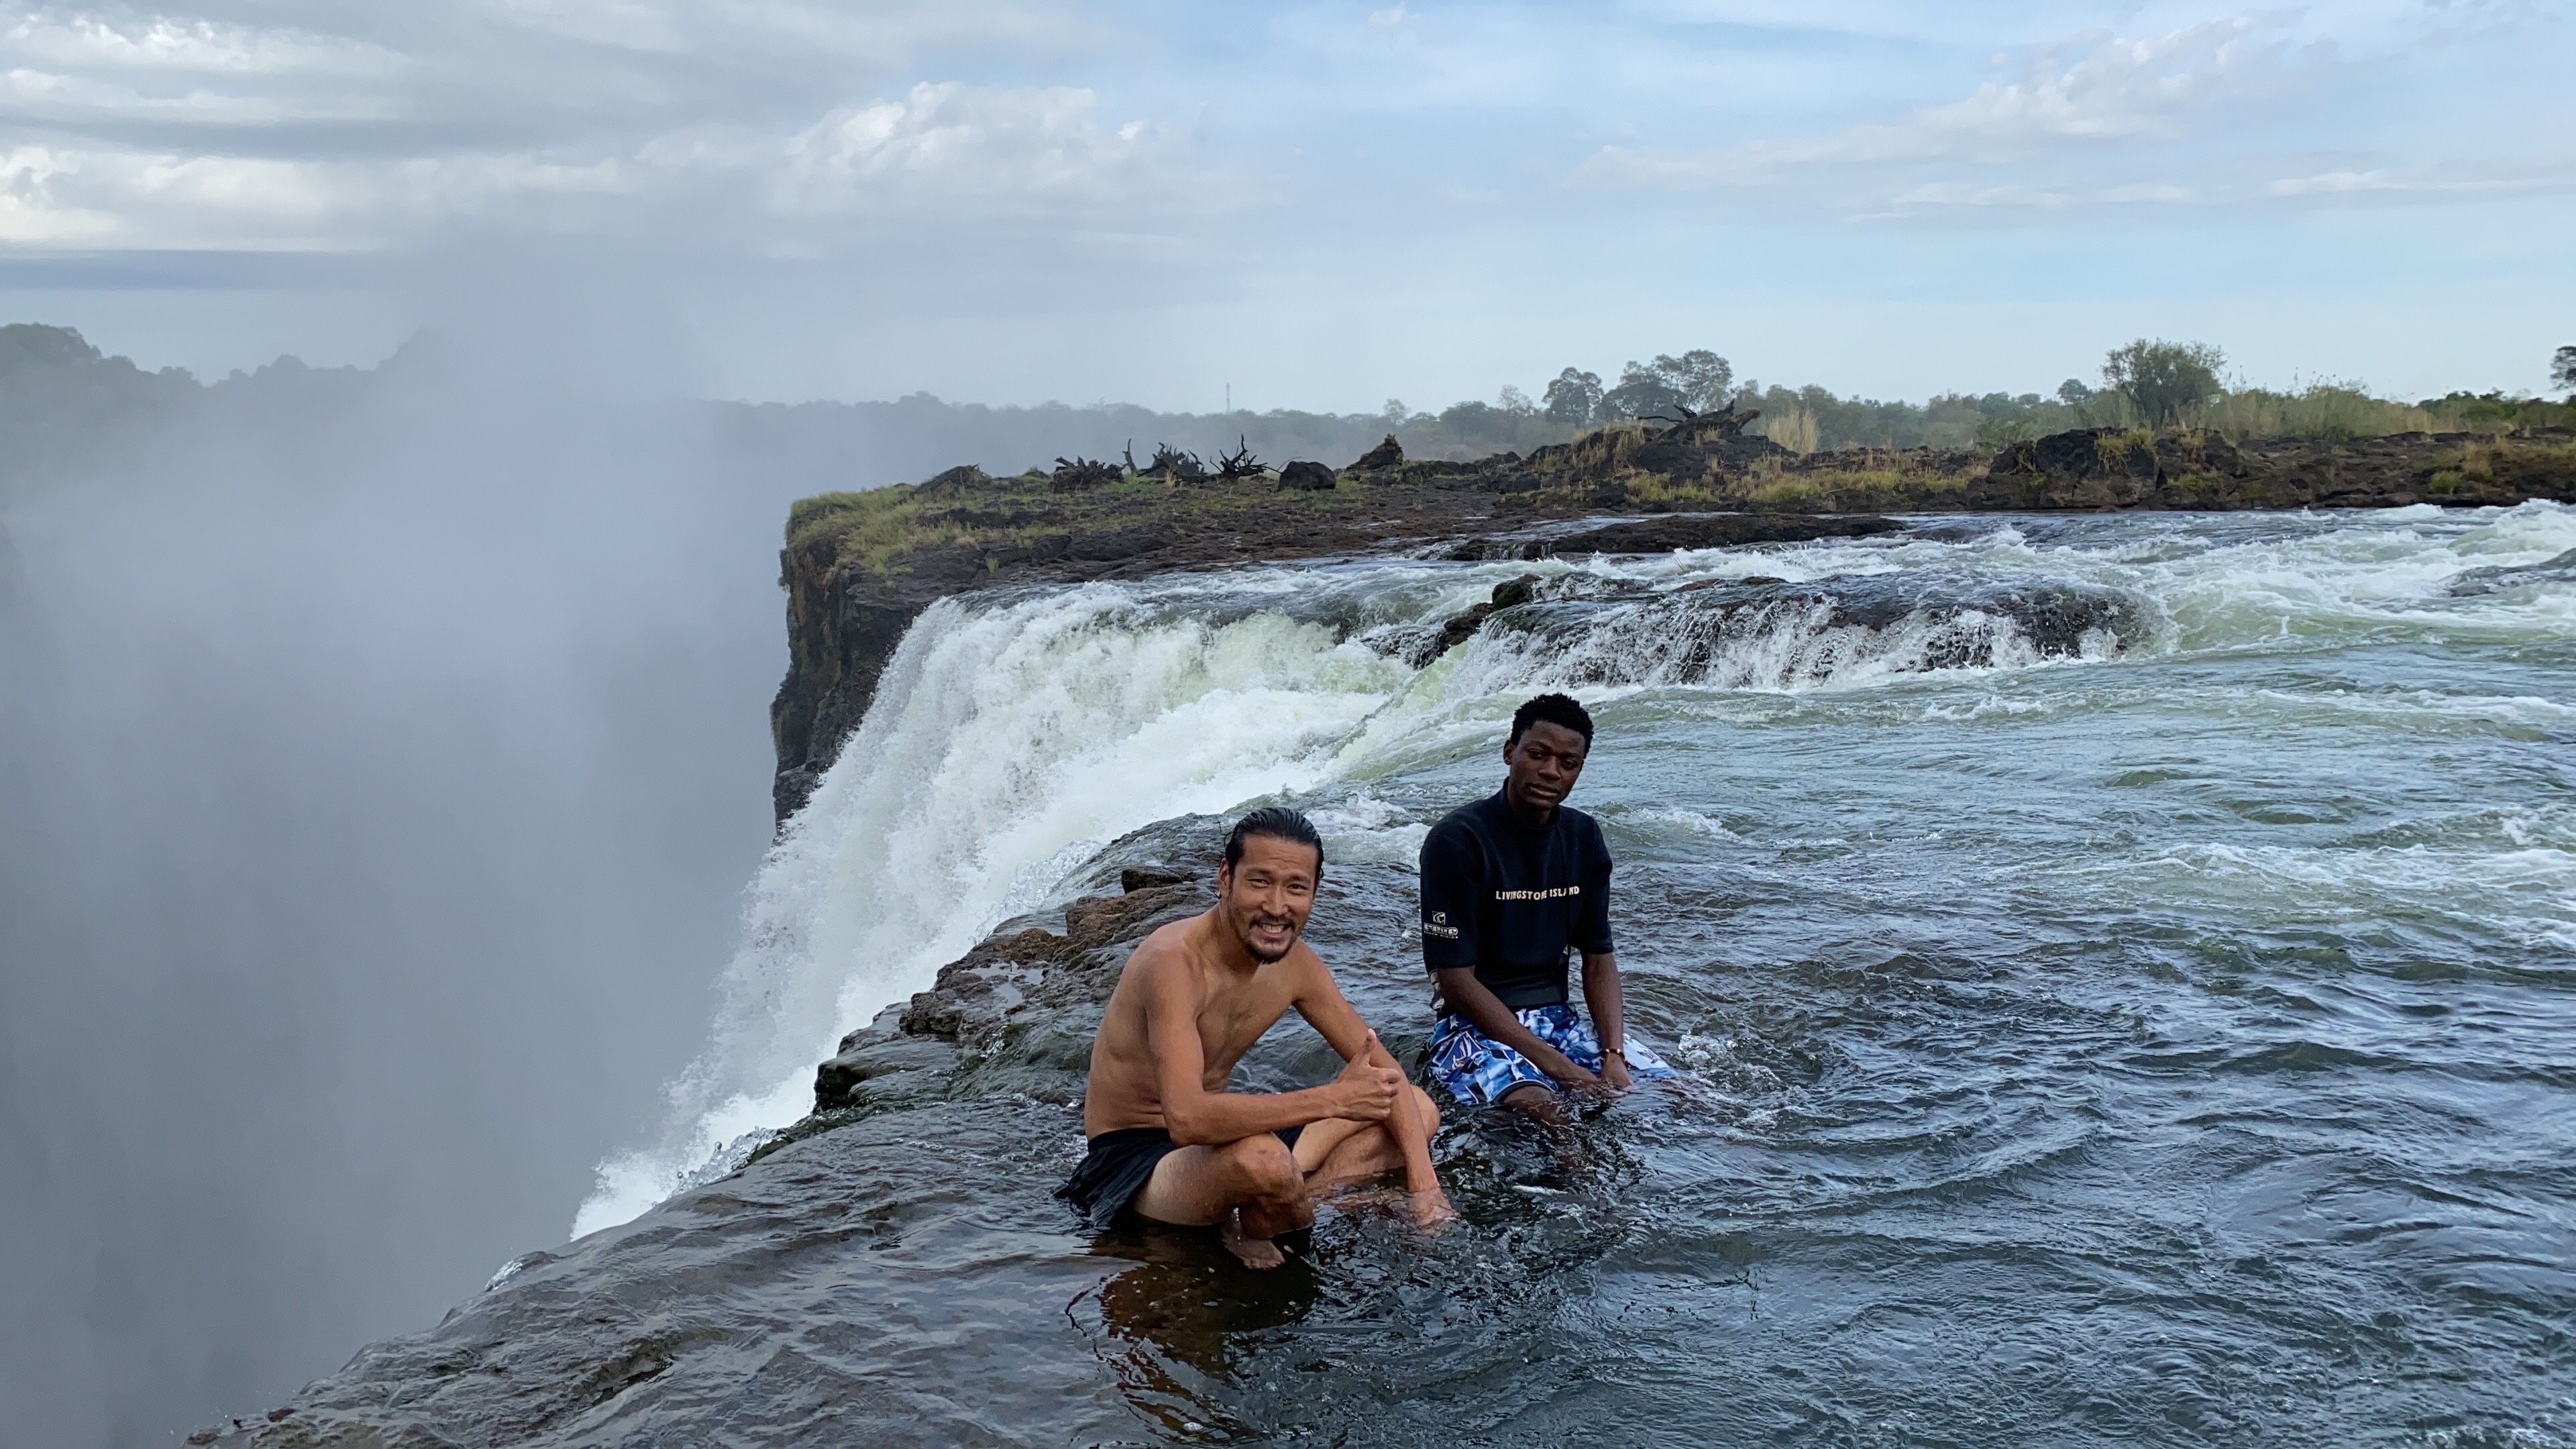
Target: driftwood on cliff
(1173, 465)
(1729, 421)
(1240, 463)
(1074, 474)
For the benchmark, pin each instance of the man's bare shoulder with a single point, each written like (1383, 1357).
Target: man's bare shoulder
(1166, 948)
(1307, 972)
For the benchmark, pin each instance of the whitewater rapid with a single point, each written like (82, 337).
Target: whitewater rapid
(1016, 733)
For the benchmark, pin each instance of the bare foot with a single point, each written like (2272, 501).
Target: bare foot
(1255, 1252)
(1431, 1210)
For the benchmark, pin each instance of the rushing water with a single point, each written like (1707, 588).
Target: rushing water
(2123, 966)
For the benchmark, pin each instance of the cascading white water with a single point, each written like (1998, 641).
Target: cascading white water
(1011, 737)
(1005, 744)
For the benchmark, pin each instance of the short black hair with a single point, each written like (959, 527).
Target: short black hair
(1556, 709)
(1279, 823)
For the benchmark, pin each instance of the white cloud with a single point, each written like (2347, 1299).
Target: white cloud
(950, 143)
(162, 43)
(2508, 176)
(30, 210)
(44, 96)
(112, 197)
(2088, 91)
(944, 154)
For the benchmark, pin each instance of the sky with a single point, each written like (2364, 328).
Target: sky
(1302, 205)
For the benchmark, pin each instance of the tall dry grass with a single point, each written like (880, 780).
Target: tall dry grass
(1793, 428)
(2333, 411)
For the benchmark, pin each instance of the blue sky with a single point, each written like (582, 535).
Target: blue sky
(1316, 205)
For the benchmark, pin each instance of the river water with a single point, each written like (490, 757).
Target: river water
(2125, 968)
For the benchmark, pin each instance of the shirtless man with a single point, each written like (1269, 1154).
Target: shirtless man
(1168, 1141)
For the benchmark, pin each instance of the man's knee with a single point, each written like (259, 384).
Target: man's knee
(1532, 1100)
(1264, 1166)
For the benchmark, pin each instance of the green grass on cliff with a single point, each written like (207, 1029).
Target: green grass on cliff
(869, 528)
(874, 529)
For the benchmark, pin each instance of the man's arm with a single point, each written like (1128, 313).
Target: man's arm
(1486, 1013)
(1601, 995)
(1197, 1117)
(1321, 1002)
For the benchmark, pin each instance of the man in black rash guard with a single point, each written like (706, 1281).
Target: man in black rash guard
(1511, 884)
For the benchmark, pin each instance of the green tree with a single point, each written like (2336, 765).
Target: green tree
(1575, 397)
(2161, 379)
(1640, 393)
(1698, 379)
(2562, 370)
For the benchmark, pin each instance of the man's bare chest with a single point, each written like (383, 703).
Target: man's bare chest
(1231, 1022)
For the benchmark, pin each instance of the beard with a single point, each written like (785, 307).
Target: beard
(1244, 929)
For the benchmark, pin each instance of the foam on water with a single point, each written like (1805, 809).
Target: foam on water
(1011, 736)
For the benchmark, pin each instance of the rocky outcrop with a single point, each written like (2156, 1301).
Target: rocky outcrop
(1385, 455)
(2105, 468)
(2192, 470)
(1307, 476)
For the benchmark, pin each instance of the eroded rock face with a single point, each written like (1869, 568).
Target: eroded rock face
(2104, 468)
(2108, 468)
(841, 631)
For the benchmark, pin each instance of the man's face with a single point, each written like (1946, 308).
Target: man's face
(1545, 761)
(1267, 894)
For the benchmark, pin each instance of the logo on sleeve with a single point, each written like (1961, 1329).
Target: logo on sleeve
(1439, 926)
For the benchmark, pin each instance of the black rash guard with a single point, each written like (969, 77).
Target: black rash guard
(1509, 899)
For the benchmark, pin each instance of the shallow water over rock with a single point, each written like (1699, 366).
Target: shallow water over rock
(2166, 1039)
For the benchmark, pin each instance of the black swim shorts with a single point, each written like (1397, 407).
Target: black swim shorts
(1117, 1167)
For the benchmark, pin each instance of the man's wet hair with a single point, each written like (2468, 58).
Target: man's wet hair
(1279, 823)
(1555, 709)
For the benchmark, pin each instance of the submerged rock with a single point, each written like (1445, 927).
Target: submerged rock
(2561, 569)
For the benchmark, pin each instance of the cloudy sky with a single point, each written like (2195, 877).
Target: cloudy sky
(1315, 205)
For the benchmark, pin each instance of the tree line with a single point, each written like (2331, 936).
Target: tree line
(64, 405)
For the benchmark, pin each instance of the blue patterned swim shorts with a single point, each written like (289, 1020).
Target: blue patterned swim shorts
(1477, 1069)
